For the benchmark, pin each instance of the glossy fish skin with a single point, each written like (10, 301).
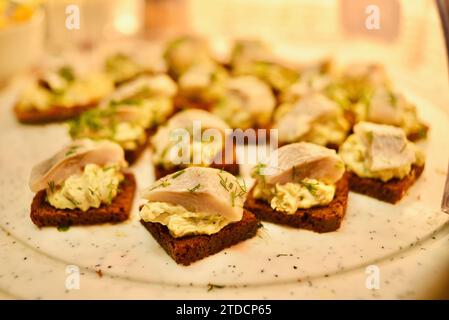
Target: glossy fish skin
(388, 147)
(297, 161)
(72, 159)
(200, 189)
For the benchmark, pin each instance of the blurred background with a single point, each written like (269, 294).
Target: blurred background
(409, 40)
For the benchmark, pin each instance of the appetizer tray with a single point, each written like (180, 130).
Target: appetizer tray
(406, 244)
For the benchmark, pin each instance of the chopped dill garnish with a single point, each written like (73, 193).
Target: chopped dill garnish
(177, 174)
(63, 228)
(223, 182)
(107, 168)
(51, 186)
(73, 201)
(195, 188)
(163, 184)
(238, 190)
(393, 99)
(92, 192)
(66, 73)
(256, 172)
(71, 151)
(232, 198)
(311, 187)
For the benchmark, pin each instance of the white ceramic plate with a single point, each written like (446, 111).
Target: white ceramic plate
(406, 242)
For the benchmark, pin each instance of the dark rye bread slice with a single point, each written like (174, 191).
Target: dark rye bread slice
(52, 114)
(132, 155)
(43, 214)
(319, 219)
(188, 249)
(182, 102)
(391, 191)
(420, 134)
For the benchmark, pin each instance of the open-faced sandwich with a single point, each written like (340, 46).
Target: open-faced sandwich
(254, 58)
(82, 184)
(247, 50)
(193, 137)
(366, 92)
(61, 94)
(184, 52)
(313, 80)
(381, 162)
(129, 115)
(247, 102)
(197, 212)
(123, 67)
(313, 118)
(302, 185)
(201, 86)
(384, 106)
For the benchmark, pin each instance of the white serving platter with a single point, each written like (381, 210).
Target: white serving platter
(407, 243)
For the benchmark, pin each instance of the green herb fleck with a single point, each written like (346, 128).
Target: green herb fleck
(163, 184)
(51, 186)
(257, 171)
(311, 187)
(107, 168)
(66, 73)
(211, 287)
(71, 150)
(195, 188)
(92, 192)
(63, 228)
(393, 99)
(223, 182)
(177, 174)
(73, 201)
(233, 195)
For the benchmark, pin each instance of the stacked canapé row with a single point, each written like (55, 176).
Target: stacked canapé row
(338, 130)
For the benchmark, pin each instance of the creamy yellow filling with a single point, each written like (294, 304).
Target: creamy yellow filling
(79, 92)
(101, 124)
(236, 115)
(128, 135)
(331, 129)
(180, 221)
(278, 76)
(94, 186)
(122, 67)
(290, 197)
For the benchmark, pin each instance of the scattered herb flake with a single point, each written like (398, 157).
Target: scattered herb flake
(163, 184)
(51, 186)
(63, 228)
(232, 193)
(71, 150)
(195, 188)
(73, 201)
(311, 187)
(177, 174)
